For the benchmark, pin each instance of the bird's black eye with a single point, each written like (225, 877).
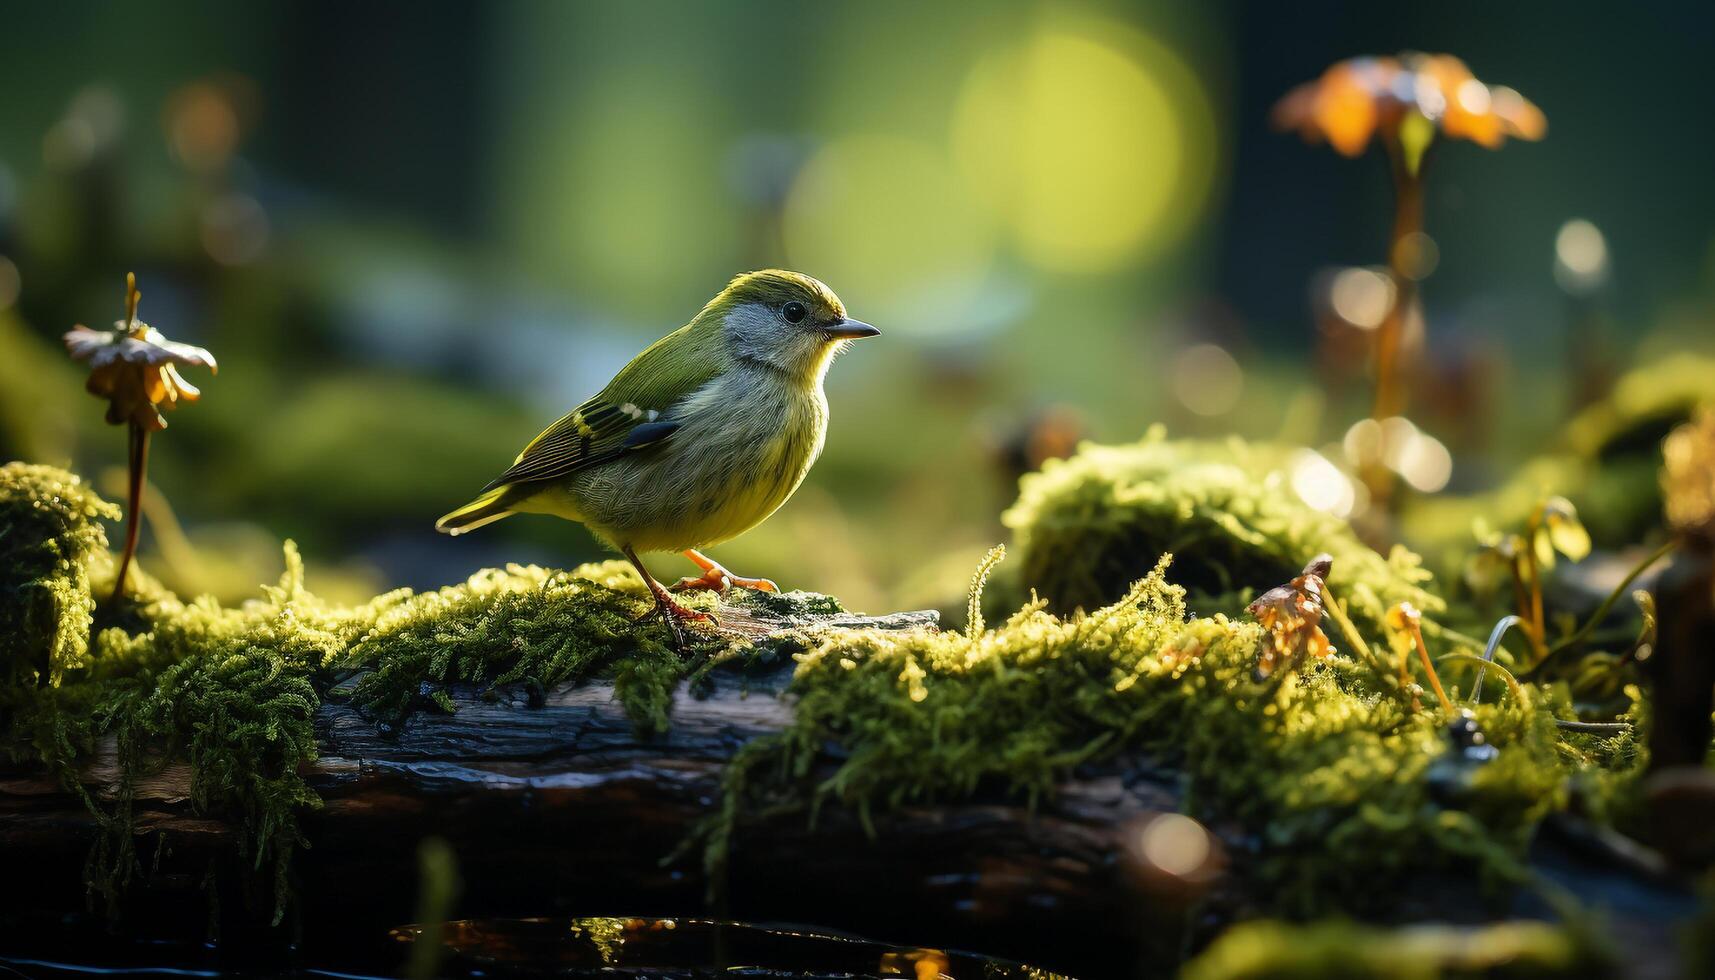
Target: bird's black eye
(794, 312)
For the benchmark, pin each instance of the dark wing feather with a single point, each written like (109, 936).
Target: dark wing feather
(594, 433)
(630, 414)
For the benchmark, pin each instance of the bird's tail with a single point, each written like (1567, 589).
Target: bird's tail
(486, 509)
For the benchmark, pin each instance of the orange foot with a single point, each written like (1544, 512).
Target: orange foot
(718, 579)
(676, 616)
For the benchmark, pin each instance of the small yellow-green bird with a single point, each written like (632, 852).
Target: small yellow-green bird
(697, 440)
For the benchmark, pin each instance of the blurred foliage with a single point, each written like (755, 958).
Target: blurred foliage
(1607, 461)
(1278, 951)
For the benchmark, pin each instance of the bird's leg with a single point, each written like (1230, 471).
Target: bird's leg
(672, 613)
(718, 579)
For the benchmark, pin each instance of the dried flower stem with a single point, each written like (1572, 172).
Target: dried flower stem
(1416, 634)
(137, 463)
(136, 460)
(1536, 627)
(1407, 221)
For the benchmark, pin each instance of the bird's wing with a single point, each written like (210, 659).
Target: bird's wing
(630, 414)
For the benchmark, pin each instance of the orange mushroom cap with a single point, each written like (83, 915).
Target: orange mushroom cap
(1359, 97)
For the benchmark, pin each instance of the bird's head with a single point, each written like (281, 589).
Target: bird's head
(785, 320)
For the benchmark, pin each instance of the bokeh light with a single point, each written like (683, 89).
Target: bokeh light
(1417, 255)
(1580, 257)
(1362, 297)
(92, 124)
(1175, 843)
(886, 218)
(202, 126)
(1206, 379)
(1322, 485)
(1424, 463)
(1422, 460)
(235, 229)
(1097, 145)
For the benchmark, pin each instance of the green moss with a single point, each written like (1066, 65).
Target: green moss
(520, 624)
(1344, 793)
(48, 534)
(1085, 528)
(1277, 951)
(234, 691)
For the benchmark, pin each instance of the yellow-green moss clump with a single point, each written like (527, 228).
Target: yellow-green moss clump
(1276, 951)
(48, 535)
(235, 691)
(1085, 528)
(1344, 792)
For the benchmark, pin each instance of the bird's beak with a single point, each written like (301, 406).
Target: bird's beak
(851, 330)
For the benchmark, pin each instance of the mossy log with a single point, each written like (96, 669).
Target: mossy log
(555, 804)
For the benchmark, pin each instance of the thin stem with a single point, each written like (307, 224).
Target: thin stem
(1331, 606)
(1613, 597)
(1521, 593)
(1429, 668)
(1538, 625)
(1407, 221)
(1506, 675)
(1405, 685)
(1495, 635)
(1390, 395)
(138, 462)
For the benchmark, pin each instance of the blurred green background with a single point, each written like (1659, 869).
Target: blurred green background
(415, 234)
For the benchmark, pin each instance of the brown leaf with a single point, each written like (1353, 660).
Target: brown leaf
(1291, 618)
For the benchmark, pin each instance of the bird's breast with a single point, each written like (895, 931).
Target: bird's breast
(744, 445)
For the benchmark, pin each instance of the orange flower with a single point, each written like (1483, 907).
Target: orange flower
(1356, 98)
(135, 367)
(1291, 616)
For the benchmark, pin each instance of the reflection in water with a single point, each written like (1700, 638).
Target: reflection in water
(671, 948)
